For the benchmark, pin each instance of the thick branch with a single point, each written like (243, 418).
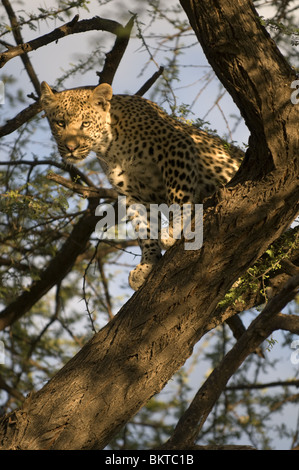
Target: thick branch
(287, 323)
(244, 57)
(73, 27)
(23, 116)
(258, 386)
(114, 57)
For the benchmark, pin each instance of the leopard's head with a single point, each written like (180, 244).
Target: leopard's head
(77, 118)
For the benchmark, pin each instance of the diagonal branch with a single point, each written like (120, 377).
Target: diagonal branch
(114, 57)
(19, 40)
(287, 322)
(23, 116)
(85, 191)
(72, 27)
(195, 416)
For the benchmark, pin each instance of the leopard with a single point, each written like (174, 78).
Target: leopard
(148, 156)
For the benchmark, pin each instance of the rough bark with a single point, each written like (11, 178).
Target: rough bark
(255, 73)
(135, 355)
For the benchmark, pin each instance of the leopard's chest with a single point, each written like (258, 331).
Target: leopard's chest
(139, 181)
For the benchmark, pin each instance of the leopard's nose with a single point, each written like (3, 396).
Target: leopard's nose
(71, 144)
(71, 147)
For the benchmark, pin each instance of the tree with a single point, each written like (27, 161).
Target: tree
(247, 229)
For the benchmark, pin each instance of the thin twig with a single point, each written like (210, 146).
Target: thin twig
(106, 290)
(87, 192)
(89, 313)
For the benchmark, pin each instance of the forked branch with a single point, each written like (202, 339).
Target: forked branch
(73, 27)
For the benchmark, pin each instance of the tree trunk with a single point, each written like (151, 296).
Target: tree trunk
(135, 355)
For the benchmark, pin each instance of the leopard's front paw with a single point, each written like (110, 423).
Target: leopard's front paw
(139, 275)
(166, 240)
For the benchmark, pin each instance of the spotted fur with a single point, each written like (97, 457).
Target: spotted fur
(148, 156)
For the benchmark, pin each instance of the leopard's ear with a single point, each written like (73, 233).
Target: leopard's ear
(101, 96)
(47, 96)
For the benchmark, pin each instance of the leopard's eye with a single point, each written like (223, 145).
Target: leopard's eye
(60, 123)
(85, 124)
